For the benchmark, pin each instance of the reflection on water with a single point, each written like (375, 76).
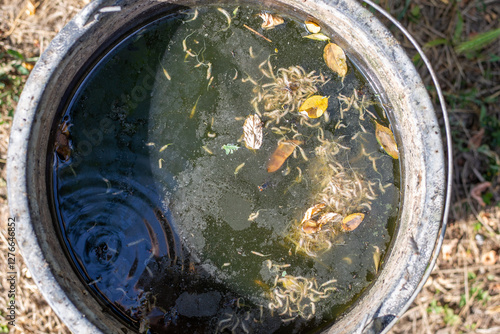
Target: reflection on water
(178, 234)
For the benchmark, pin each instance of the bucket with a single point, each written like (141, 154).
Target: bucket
(102, 25)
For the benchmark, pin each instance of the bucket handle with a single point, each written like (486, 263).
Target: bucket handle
(449, 156)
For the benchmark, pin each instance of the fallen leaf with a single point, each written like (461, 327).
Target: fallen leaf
(476, 139)
(335, 59)
(270, 21)
(477, 190)
(385, 138)
(310, 226)
(318, 37)
(314, 106)
(313, 210)
(351, 222)
(252, 131)
(282, 152)
(312, 27)
(62, 144)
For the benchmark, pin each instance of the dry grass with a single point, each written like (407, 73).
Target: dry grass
(463, 293)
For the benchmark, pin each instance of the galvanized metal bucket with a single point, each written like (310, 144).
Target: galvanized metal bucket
(425, 163)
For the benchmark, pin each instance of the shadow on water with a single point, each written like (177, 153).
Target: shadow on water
(112, 211)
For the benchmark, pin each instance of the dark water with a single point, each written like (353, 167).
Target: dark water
(176, 235)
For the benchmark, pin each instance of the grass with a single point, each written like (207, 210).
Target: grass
(462, 39)
(14, 70)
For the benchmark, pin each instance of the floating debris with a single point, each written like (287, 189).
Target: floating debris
(164, 147)
(386, 139)
(228, 17)
(253, 216)
(312, 27)
(297, 296)
(263, 186)
(260, 254)
(314, 106)
(207, 150)
(193, 111)
(315, 234)
(282, 152)
(230, 148)
(335, 59)
(376, 258)
(257, 33)
(195, 16)
(351, 222)
(343, 190)
(62, 143)
(270, 21)
(252, 130)
(237, 170)
(318, 37)
(165, 72)
(288, 90)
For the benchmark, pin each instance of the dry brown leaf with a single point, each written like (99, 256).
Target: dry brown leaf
(310, 226)
(335, 59)
(476, 140)
(313, 210)
(282, 152)
(385, 138)
(477, 190)
(270, 21)
(252, 130)
(351, 222)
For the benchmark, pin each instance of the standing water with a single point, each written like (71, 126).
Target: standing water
(219, 171)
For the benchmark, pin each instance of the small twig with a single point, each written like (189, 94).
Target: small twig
(257, 33)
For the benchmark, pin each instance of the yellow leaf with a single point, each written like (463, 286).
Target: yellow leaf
(314, 106)
(312, 27)
(351, 222)
(385, 138)
(318, 37)
(335, 59)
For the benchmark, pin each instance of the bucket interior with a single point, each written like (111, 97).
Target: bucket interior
(74, 59)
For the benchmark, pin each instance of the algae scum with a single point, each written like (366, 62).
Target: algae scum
(225, 171)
